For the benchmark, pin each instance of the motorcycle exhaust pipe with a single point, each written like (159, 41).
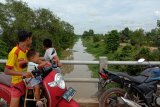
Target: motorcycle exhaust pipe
(130, 103)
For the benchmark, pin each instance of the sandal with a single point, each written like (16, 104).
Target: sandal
(39, 104)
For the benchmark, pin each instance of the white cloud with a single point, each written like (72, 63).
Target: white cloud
(103, 15)
(157, 13)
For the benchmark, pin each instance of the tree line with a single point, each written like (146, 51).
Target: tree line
(125, 45)
(43, 23)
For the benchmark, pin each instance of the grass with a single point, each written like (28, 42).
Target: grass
(97, 49)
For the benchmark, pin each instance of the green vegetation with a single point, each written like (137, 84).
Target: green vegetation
(112, 41)
(3, 54)
(16, 15)
(125, 45)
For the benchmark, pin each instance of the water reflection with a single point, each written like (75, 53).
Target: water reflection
(84, 90)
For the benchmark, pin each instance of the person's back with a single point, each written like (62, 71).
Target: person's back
(51, 55)
(50, 52)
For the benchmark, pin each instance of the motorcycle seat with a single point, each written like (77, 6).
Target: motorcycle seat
(137, 79)
(5, 79)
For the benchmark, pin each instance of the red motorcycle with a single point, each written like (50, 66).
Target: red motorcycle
(54, 92)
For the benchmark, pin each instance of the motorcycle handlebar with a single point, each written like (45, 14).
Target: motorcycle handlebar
(42, 72)
(36, 72)
(105, 71)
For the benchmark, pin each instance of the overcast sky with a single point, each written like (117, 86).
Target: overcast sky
(103, 15)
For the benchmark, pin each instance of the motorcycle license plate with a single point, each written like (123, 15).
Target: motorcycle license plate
(68, 95)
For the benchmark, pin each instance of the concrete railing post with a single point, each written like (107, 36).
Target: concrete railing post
(103, 61)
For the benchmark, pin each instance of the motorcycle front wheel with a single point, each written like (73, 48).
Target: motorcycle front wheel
(109, 98)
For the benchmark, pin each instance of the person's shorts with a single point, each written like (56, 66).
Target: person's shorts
(34, 81)
(17, 90)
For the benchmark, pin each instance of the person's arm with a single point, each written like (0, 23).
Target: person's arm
(41, 64)
(42, 58)
(15, 73)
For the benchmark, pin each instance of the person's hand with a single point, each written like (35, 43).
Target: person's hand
(27, 74)
(59, 64)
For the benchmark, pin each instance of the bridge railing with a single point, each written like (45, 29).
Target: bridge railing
(103, 61)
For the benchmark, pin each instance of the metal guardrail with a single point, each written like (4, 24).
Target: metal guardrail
(3, 61)
(102, 62)
(90, 80)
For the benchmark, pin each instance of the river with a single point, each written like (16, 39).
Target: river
(84, 90)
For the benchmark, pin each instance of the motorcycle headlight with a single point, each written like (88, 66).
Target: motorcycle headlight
(58, 81)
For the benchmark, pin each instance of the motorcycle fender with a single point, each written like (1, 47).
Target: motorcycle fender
(64, 103)
(5, 93)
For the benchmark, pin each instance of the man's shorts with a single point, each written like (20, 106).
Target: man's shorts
(17, 90)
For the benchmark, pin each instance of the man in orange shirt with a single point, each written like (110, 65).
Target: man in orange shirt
(16, 57)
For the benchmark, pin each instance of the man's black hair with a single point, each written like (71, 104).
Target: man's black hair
(23, 35)
(47, 43)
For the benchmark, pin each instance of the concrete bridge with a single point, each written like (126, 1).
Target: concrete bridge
(93, 102)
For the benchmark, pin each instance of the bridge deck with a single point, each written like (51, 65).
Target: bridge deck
(88, 102)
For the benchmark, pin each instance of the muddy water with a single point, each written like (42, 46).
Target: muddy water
(84, 90)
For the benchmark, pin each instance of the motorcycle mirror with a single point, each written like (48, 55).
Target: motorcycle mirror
(141, 60)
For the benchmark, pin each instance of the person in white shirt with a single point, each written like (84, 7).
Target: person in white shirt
(51, 55)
